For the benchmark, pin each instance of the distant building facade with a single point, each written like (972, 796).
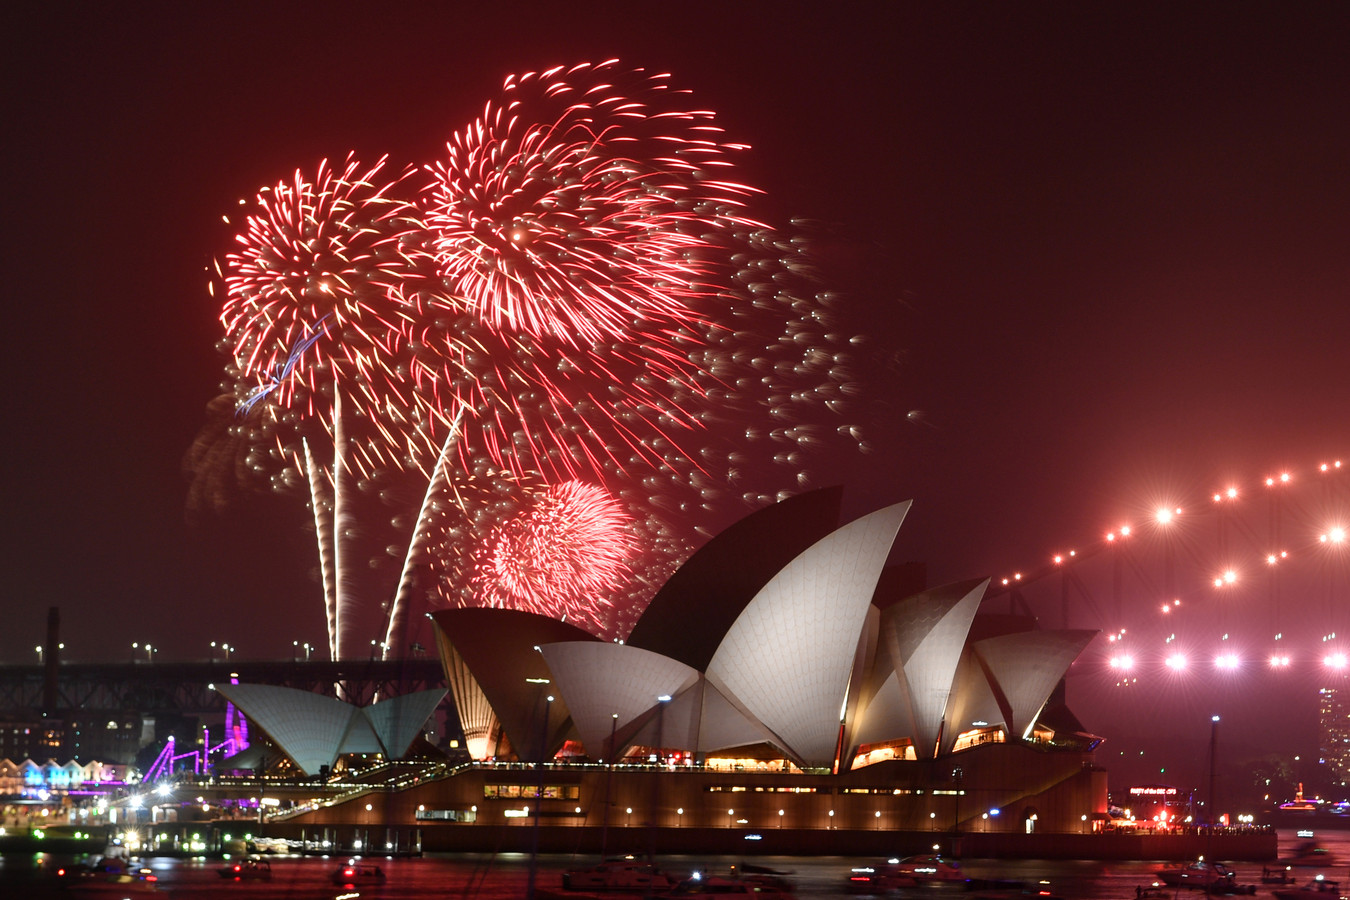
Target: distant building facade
(1333, 731)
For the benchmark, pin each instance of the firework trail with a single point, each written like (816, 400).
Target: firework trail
(436, 486)
(323, 530)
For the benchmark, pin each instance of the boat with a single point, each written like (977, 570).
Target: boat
(911, 871)
(355, 872)
(625, 874)
(1300, 805)
(749, 885)
(124, 882)
(250, 869)
(1277, 875)
(1310, 854)
(1319, 887)
(764, 876)
(1201, 874)
(927, 868)
(999, 889)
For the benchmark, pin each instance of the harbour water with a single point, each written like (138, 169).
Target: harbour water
(501, 876)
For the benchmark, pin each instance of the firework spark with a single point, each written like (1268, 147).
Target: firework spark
(582, 202)
(568, 546)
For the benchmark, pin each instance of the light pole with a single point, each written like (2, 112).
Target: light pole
(539, 792)
(655, 813)
(957, 777)
(1213, 754)
(609, 779)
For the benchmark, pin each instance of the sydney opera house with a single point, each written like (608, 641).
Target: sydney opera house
(784, 678)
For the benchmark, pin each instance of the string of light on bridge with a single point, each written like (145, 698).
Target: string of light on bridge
(1203, 615)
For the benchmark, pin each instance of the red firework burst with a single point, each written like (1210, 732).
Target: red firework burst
(313, 280)
(570, 546)
(582, 204)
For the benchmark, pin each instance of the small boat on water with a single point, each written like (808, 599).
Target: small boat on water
(354, 872)
(1199, 874)
(1310, 854)
(250, 869)
(625, 874)
(998, 889)
(749, 885)
(1277, 874)
(1318, 888)
(111, 877)
(911, 871)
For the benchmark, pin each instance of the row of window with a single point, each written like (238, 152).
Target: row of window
(768, 789)
(573, 792)
(530, 791)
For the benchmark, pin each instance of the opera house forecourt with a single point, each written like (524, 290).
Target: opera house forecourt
(785, 692)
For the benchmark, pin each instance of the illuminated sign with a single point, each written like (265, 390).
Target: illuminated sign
(1154, 790)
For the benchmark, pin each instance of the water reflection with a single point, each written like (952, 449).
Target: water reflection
(501, 876)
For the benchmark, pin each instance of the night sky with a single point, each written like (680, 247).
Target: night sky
(1101, 252)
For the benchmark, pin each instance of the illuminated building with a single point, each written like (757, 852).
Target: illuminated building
(1333, 731)
(809, 688)
(811, 680)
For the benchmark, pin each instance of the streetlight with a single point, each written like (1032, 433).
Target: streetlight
(1213, 752)
(730, 813)
(38, 648)
(957, 777)
(539, 794)
(609, 779)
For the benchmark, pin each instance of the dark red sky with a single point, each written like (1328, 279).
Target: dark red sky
(1103, 245)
